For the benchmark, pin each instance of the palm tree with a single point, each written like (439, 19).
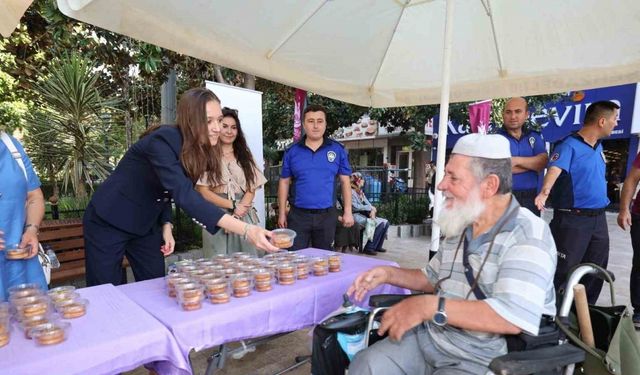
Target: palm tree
(47, 155)
(73, 121)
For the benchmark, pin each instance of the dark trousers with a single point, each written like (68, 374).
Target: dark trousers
(105, 247)
(634, 281)
(312, 229)
(580, 239)
(378, 237)
(526, 198)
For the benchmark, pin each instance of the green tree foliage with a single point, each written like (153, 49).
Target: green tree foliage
(72, 124)
(13, 108)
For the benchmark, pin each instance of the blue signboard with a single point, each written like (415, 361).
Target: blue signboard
(454, 132)
(568, 113)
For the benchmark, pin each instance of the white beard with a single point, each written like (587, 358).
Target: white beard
(453, 221)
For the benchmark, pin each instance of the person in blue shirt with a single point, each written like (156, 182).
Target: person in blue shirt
(528, 153)
(310, 167)
(576, 182)
(21, 211)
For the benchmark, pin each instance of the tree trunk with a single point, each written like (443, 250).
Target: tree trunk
(54, 182)
(217, 70)
(419, 173)
(168, 99)
(249, 81)
(128, 122)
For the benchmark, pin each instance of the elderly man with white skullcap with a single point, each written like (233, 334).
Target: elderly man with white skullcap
(490, 284)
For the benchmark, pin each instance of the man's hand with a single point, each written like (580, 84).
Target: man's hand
(541, 199)
(624, 219)
(347, 220)
(367, 281)
(407, 314)
(282, 220)
(30, 238)
(1, 240)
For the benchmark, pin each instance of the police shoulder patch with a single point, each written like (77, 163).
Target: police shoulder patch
(331, 156)
(555, 156)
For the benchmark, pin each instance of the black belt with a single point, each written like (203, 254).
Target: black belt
(531, 193)
(582, 211)
(313, 210)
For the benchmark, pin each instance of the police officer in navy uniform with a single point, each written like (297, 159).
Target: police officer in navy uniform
(310, 168)
(528, 154)
(130, 213)
(576, 181)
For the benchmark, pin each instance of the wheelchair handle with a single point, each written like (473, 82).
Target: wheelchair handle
(574, 278)
(386, 300)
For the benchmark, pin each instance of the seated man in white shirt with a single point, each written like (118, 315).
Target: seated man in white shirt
(507, 288)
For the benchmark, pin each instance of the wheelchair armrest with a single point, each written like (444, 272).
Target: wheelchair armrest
(537, 360)
(386, 300)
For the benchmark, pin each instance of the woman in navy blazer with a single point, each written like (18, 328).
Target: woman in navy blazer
(130, 213)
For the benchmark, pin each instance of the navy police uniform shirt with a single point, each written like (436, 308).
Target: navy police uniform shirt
(313, 173)
(529, 144)
(582, 183)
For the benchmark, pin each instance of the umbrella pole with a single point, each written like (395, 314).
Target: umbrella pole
(443, 122)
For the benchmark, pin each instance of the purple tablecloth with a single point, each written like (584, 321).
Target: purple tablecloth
(283, 309)
(115, 335)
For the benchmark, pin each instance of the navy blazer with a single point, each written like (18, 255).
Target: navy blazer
(137, 195)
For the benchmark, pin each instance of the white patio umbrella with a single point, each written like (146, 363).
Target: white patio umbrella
(394, 52)
(10, 13)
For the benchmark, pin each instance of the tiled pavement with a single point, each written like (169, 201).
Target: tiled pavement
(272, 357)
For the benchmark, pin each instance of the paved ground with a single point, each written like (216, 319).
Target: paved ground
(272, 357)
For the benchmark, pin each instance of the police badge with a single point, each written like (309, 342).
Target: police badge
(331, 156)
(532, 141)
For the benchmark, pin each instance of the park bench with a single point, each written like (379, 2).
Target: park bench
(66, 238)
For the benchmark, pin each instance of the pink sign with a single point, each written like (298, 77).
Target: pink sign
(480, 116)
(298, 107)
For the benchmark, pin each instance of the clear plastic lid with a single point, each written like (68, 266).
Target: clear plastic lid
(221, 259)
(61, 289)
(14, 251)
(263, 274)
(32, 306)
(30, 323)
(24, 290)
(285, 268)
(216, 285)
(186, 268)
(241, 280)
(204, 262)
(63, 297)
(73, 309)
(50, 333)
(239, 255)
(190, 292)
(282, 238)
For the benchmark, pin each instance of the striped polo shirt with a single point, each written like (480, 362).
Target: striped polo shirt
(517, 280)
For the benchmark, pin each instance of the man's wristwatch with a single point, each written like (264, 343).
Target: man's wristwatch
(440, 317)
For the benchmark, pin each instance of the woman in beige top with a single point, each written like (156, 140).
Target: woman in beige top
(236, 189)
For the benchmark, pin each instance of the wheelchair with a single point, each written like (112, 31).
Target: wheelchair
(549, 360)
(554, 359)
